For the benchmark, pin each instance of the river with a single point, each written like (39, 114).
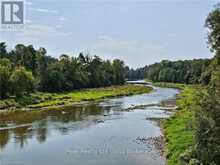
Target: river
(94, 133)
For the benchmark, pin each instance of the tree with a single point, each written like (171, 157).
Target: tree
(208, 123)
(3, 51)
(97, 72)
(5, 72)
(208, 115)
(54, 81)
(187, 71)
(22, 81)
(63, 74)
(43, 62)
(118, 72)
(213, 23)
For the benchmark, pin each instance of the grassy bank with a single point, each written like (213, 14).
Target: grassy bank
(169, 85)
(179, 129)
(41, 100)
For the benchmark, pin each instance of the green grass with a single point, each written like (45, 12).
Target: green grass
(179, 129)
(170, 85)
(42, 99)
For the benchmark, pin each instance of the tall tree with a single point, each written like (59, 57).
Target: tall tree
(208, 115)
(3, 50)
(5, 72)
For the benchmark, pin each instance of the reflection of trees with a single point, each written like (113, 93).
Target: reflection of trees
(75, 113)
(4, 138)
(42, 119)
(42, 131)
(22, 134)
(63, 130)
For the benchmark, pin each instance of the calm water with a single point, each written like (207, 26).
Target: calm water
(98, 133)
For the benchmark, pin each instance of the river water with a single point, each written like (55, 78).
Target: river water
(95, 133)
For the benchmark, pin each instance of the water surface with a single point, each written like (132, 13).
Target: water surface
(95, 133)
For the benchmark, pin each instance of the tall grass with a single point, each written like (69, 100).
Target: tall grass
(41, 99)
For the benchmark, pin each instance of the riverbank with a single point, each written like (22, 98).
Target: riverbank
(179, 129)
(170, 85)
(40, 100)
(103, 129)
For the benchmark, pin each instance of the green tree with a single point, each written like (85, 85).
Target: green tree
(5, 72)
(22, 81)
(208, 115)
(63, 74)
(3, 51)
(213, 23)
(43, 62)
(118, 72)
(54, 81)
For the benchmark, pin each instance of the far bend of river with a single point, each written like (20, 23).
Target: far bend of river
(95, 133)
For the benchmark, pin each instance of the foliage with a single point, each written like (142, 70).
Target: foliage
(208, 114)
(136, 74)
(55, 75)
(203, 144)
(22, 82)
(170, 85)
(213, 24)
(3, 50)
(188, 71)
(43, 99)
(5, 72)
(179, 129)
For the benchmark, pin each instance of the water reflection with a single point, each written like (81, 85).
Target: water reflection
(35, 124)
(41, 131)
(53, 136)
(4, 138)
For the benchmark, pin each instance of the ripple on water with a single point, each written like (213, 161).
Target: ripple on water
(89, 134)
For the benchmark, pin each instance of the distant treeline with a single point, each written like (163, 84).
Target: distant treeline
(135, 74)
(187, 71)
(25, 69)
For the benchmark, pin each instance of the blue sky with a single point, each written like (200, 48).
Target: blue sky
(139, 32)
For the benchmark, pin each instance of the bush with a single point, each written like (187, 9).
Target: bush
(22, 82)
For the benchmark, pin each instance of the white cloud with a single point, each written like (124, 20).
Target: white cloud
(28, 3)
(38, 33)
(133, 52)
(41, 10)
(59, 26)
(63, 19)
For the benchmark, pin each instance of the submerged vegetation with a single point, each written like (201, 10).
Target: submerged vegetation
(43, 99)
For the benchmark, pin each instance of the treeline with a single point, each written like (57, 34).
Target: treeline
(136, 74)
(25, 69)
(187, 71)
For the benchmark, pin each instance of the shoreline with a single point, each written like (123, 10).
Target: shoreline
(178, 130)
(60, 100)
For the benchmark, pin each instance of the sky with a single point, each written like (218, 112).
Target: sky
(140, 32)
